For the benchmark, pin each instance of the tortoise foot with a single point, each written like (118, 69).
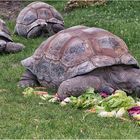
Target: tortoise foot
(28, 80)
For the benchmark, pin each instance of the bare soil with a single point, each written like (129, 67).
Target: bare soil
(9, 9)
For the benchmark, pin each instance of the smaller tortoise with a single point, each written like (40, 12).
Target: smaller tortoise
(72, 4)
(37, 19)
(81, 57)
(6, 42)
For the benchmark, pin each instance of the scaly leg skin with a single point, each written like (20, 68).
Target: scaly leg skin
(127, 79)
(2, 45)
(77, 85)
(51, 28)
(12, 47)
(57, 27)
(28, 80)
(36, 31)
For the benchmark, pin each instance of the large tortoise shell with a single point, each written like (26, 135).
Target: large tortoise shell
(76, 51)
(4, 32)
(34, 13)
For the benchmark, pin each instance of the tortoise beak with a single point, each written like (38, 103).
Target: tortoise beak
(43, 24)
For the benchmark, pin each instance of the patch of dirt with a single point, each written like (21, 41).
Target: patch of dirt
(9, 9)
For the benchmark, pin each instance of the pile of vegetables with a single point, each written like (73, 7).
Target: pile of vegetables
(134, 112)
(116, 105)
(87, 100)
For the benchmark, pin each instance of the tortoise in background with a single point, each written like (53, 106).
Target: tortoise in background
(72, 4)
(38, 18)
(81, 57)
(6, 42)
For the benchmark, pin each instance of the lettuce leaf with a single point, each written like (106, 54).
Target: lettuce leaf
(86, 100)
(117, 101)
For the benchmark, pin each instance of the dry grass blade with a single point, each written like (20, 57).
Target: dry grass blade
(92, 110)
(125, 119)
(3, 90)
(41, 88)
(40, 92)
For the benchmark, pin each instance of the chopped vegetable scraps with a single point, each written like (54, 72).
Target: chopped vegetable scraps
(28, 91)
(116, 105)
(46, 97)
(117, 101)
(31, 91)
(86, 100)
(134, 112)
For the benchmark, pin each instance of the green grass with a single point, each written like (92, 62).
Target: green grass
(25, 118)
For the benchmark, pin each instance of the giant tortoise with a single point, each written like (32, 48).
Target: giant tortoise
(81, 57)
(38, 18)
(72, 4)
(6, 42)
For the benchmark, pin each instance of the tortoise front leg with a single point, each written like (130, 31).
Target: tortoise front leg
(54, 28)
(57, 27)
(129, 80)
(77, 85)
(28, 80)
(35, 32)
(2, 45)
(12, 47)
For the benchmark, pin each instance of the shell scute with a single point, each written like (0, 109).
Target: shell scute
(44, 13)
(56, 14)
(4, 32)
(77, 51)
(37, 5)
(30, 17)
(56, 47)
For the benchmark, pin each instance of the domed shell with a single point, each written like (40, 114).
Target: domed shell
(76, 51)
(35, 12)
(4, 32)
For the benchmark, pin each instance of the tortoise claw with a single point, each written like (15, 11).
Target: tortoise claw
(107, 89)
(27, 83)
(28, 80)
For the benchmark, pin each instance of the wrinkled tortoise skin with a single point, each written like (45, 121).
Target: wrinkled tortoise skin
(41, 15)
(6, 42)
(77, 51)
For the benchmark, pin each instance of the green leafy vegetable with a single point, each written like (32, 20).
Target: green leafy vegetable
(46, 97)
(117, 101)
(28, 91)
(86, 100)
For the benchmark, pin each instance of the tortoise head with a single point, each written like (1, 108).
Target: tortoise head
(38, 28)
